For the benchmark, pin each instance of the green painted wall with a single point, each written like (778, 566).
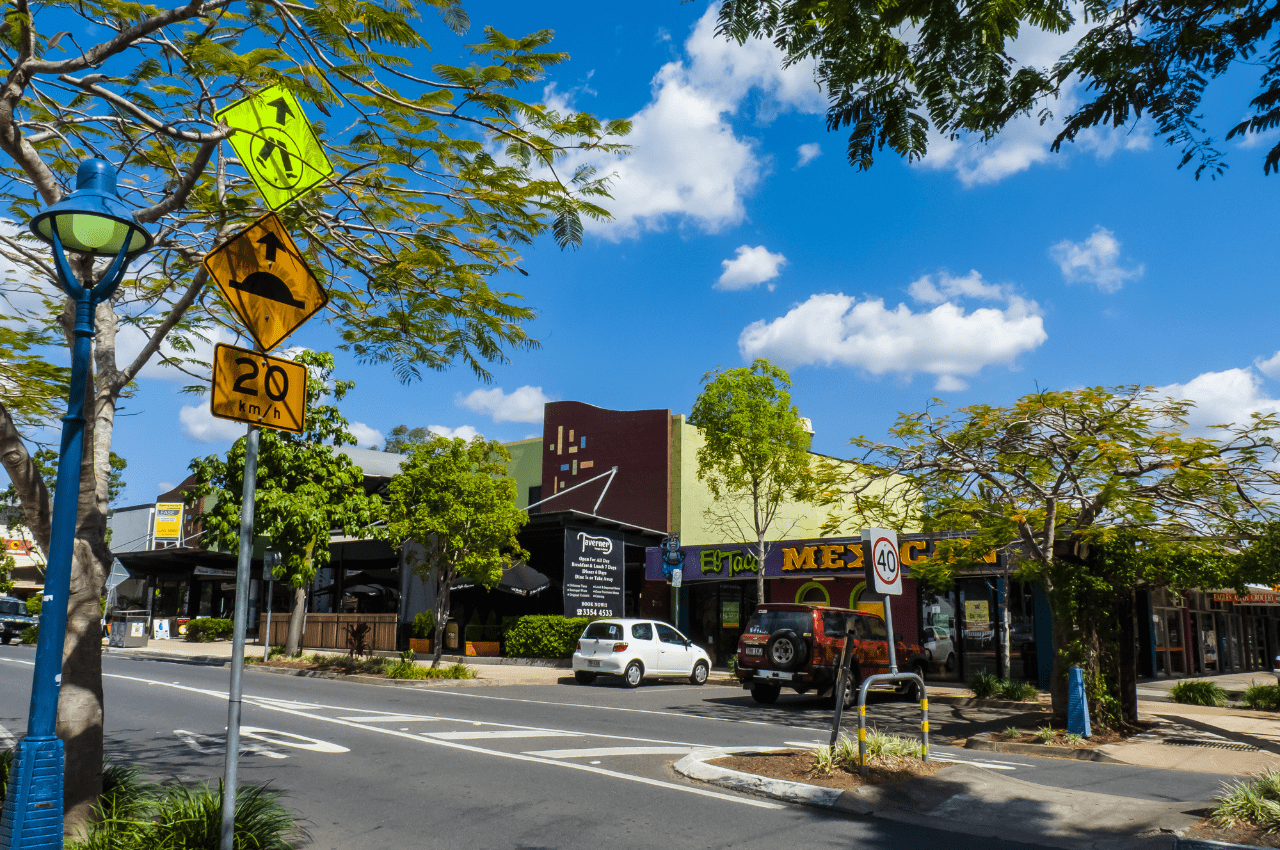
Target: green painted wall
(525, 467)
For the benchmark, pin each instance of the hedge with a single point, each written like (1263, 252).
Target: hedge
(545, 636)
(207, 629)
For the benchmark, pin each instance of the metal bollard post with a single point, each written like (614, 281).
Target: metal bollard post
(924, 727)
(862, 740)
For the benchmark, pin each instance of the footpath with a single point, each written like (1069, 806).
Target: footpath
(1232, 741)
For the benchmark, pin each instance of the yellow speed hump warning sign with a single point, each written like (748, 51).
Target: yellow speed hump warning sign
(265, 280)
(258, 389)
(276, 145)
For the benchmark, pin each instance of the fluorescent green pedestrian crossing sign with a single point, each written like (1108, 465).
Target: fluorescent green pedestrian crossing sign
(276, 145)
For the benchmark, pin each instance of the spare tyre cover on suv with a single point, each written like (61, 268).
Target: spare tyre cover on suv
(786, 650)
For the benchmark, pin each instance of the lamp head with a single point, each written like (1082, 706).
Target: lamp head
(93, 219)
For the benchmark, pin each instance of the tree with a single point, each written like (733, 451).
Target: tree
(1074, 486)
(304, 492)
(755, 456)
(440, 176)
(453, 499)
(403, 439)
(895, 71)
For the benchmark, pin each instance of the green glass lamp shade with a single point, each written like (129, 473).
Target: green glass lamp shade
(92, 219)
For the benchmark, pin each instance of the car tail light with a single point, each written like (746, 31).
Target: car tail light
(579, 646)
(620, 647)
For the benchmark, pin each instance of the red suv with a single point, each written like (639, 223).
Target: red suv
(799, 646)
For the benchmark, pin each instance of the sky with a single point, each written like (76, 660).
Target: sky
(739, 230)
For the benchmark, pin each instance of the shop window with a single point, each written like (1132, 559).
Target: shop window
(813, 594)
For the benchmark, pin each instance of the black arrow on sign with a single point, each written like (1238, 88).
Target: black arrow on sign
(282, 109)
(272, 243)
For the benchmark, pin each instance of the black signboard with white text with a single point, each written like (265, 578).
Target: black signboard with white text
(593, 574)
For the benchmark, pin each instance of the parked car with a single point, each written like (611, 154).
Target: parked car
(939, 649)
(636, 650)
(799, 646)
(13, 619)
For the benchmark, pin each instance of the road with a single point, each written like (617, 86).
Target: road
(562, 766)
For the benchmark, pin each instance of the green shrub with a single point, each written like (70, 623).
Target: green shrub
(207, 629)
(1046, 735)
(348, 665)
(1262, 697)
(1254, 801)
(31, 634)
(1198, 692)
(545, 636)
(424, 625)
(405, 668)
(879, 745)
(33, 605)
(985, 685)
(1018, 691)
(6, 761)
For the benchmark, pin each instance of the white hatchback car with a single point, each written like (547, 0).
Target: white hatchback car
(634, 649)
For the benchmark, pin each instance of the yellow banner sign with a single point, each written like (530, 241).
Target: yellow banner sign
(168, 521)
(258, 389)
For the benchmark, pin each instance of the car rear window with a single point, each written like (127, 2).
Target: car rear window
(8, 607)
(603, 631)
(869, 628)
(768, 622)
(833, 624)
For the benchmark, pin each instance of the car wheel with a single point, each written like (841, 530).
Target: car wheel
(851, 684)
(584, 678)
(632, 675)
(765, 694)
(909, 689)
(950, 665)
(785, 650)
(700, 673)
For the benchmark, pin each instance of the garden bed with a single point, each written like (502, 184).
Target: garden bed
(798, 766)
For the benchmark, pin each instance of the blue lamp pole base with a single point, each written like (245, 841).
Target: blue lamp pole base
(32, 816)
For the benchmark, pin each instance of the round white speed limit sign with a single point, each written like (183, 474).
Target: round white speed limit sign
(885, 566)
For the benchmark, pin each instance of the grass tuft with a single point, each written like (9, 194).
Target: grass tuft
(1262, 697)
(1253, 801)
(1198, 692)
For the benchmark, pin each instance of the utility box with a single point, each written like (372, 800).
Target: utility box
(128, 629)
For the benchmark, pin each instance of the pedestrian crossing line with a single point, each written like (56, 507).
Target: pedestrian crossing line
(601, 752)
(390, 718)
(990, 765)
(480, 735)
(7, 740)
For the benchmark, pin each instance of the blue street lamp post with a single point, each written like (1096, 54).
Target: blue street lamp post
(93, 221)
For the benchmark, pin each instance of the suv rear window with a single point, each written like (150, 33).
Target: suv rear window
(8, 606)
(869, 628)
(604, 631)
(833, 624)
(768, 622)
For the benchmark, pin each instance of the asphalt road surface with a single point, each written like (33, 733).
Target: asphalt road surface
(563, 766)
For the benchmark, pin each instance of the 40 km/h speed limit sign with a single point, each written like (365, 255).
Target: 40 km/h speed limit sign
(258, 389)
(886, 568)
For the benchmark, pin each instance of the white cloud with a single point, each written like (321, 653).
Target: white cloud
(203, 427)
(520, 405)
(1095, 260)
(1269, 367)
(165, 486)
(366, 437)
(750, 267)
(1222, 398)
(130, 341)
(945, 341)
(807, 153)
(686, 162)
(466, 432)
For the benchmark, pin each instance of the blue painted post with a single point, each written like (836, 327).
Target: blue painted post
(1077, 705)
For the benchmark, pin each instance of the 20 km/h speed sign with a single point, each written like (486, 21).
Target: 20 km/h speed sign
(886, 568)
(258, 389)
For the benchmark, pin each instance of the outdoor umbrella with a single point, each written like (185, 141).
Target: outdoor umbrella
(523, 580)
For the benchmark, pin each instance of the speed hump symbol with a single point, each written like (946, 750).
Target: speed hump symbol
(258, 389)
(886, 568)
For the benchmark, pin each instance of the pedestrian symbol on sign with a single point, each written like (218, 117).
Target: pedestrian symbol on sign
(276, 145)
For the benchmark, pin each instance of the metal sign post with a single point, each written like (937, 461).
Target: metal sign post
(270, 560)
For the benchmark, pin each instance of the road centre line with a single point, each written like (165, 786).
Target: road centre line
(657, 783)
(389, 718)
(612, 709)
(498, 734)
(611, 751)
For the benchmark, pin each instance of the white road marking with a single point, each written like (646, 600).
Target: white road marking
(385, 718)
(211, 745)
(611, 751)
(612, 709)
(7, 739)
(987, 764)
(497, 734)
(569, 765)
(290, 739)
(808, 745)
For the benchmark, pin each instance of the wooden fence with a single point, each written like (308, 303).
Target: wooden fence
(329, 631)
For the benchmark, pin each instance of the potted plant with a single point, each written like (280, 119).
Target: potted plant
(485, 640)
(424, 626)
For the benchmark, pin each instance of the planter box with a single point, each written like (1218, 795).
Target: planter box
(422, 645)
(483, 647)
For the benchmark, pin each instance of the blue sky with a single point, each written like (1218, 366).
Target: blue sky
(975, 276)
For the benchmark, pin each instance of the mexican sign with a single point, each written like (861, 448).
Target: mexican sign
(168, 521)
(276, 145)
(258, 389)
(265, 280)
(885, 575)
(593, 574)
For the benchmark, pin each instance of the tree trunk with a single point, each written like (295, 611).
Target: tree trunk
(760, 556)
(1128, 658)
(443, 580)
(1006, 662)
(1058, 679)
(293, 643)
